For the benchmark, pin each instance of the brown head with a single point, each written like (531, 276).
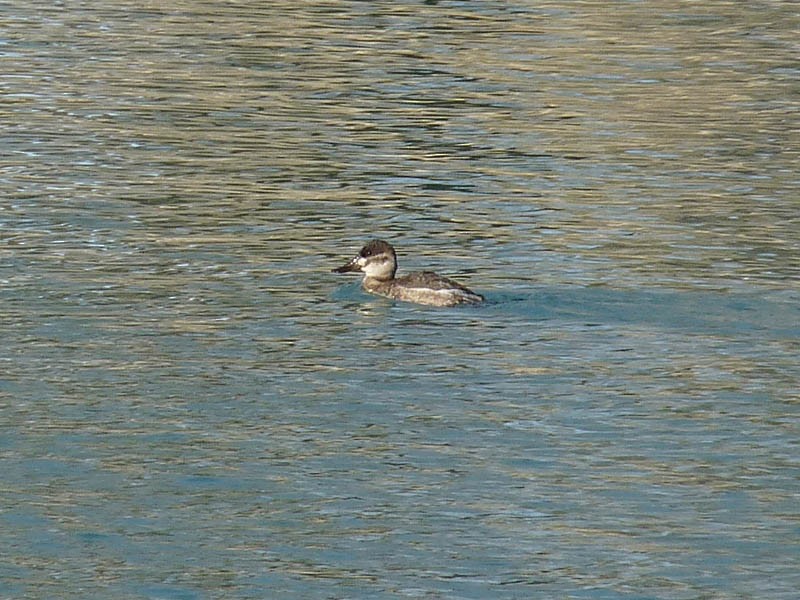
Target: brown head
(376, 260)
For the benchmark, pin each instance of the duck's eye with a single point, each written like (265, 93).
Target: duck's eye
(367, 252)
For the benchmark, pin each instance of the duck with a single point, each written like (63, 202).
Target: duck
(378, 261)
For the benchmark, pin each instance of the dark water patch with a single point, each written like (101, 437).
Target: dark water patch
(721, 313)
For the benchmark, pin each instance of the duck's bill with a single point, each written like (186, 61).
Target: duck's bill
(349, 267)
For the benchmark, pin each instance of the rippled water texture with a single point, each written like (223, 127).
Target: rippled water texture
(192, 406)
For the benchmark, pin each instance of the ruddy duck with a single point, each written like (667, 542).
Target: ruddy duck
(378, 261)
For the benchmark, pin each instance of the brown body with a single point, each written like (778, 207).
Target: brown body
(378, 261)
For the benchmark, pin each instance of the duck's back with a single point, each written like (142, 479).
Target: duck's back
(426, 287)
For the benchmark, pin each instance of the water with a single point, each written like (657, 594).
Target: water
(193, 406)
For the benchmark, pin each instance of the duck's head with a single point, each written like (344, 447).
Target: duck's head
(377, 260)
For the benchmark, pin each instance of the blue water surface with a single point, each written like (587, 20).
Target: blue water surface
(192, 406)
